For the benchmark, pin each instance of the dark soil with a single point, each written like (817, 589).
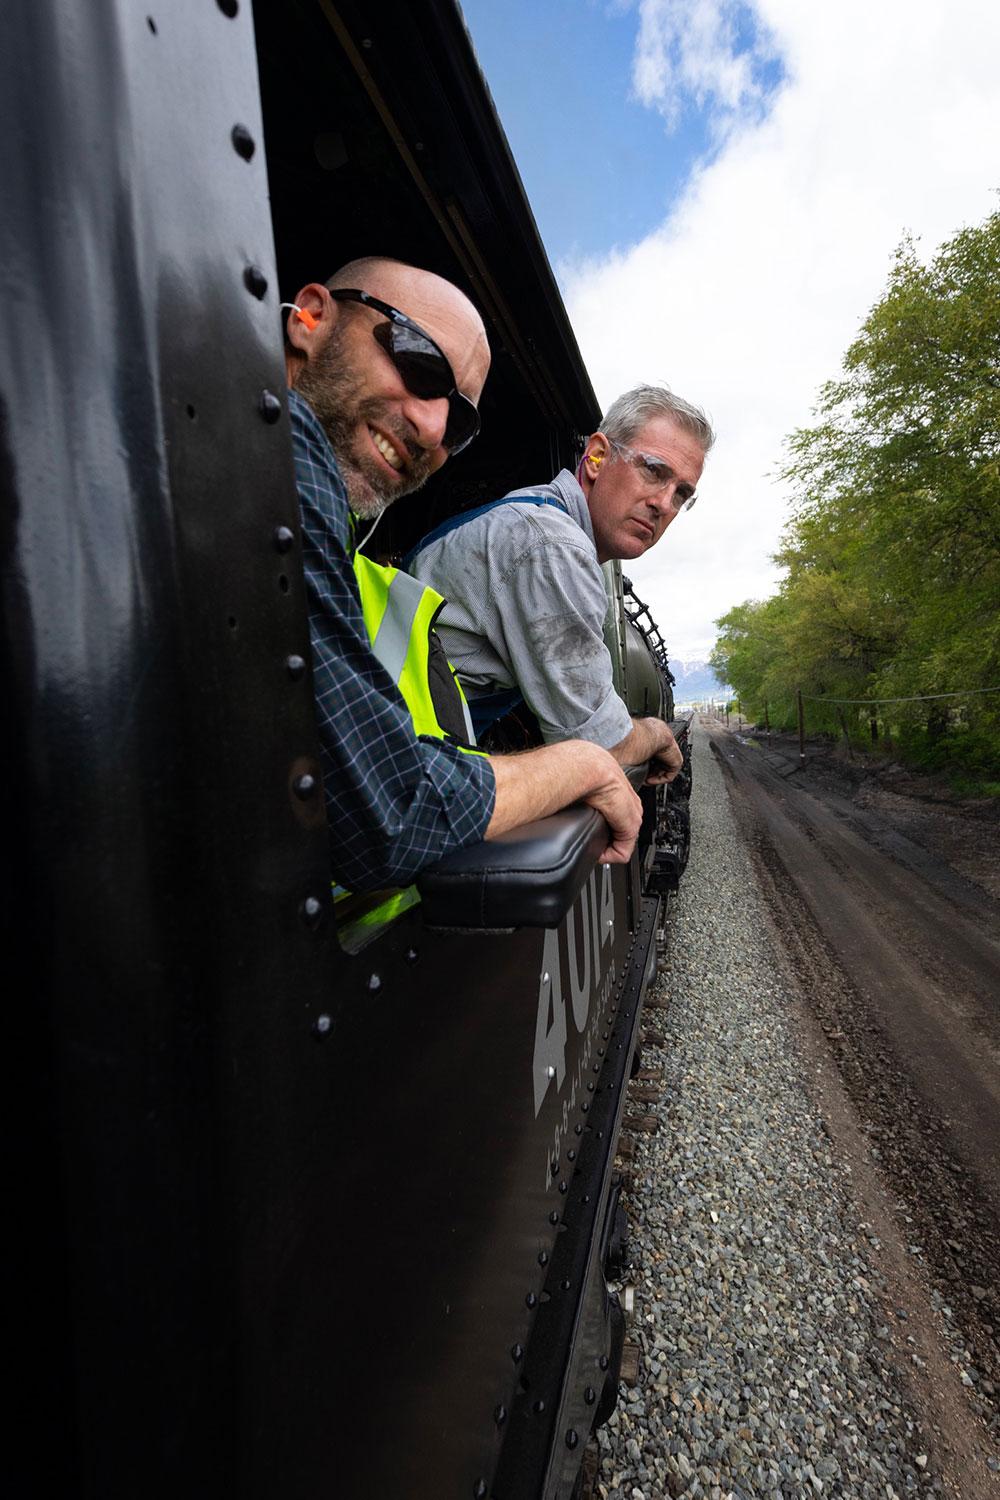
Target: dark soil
(964, 831)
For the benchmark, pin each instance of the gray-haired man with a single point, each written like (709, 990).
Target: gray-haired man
(526, 594)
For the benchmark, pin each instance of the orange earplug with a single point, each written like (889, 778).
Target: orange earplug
(302, 315)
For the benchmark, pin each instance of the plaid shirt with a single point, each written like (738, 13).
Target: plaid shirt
(394, 802)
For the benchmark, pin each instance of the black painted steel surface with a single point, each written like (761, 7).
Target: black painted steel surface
(434, 1208)
(154, 731)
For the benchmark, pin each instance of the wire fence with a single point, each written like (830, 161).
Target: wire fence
(917, 698)
(801, 699)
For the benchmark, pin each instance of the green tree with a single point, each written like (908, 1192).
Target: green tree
(892, 555)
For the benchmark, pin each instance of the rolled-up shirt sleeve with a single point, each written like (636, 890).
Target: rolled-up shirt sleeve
(395, 802)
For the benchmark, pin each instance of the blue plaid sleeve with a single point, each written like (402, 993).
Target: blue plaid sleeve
(394, 802)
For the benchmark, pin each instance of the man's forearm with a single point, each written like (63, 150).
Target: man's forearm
(539, 782)
(646, 738)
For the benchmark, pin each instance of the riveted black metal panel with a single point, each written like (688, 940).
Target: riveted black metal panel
(161, 860)
(461, 1078)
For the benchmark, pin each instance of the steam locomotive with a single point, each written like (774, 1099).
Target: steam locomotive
(321, 1199)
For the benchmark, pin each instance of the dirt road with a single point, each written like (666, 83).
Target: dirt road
(898, 956)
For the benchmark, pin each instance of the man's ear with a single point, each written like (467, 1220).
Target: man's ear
(594, 455)
(311, 319)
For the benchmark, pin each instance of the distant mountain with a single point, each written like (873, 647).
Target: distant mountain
(696, 682)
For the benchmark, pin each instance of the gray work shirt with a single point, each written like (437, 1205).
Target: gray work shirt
(526, 607)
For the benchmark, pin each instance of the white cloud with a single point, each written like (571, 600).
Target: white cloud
(747, 296)
(692, 52)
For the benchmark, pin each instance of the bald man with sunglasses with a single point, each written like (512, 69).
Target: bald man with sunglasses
(526, 606)
(385, 366)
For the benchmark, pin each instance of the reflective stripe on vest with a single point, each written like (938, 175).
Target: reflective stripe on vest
(399, 614)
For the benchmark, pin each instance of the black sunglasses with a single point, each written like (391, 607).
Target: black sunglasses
(425, 370)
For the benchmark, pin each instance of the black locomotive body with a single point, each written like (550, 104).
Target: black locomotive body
(321, 1197)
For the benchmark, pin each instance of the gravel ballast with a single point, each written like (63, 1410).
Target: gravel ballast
(767, 1361)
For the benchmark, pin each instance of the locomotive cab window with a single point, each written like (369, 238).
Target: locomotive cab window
(380, 139)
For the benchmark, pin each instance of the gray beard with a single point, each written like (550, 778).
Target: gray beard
(365, 505)
(332, 390)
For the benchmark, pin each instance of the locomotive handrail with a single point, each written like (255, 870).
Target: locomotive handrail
(528, 877)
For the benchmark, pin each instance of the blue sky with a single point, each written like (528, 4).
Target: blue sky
(721, 185)
(600, 167)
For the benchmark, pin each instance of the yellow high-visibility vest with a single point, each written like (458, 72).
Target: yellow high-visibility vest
(399, 615)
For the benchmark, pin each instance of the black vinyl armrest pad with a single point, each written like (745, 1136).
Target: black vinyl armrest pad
(528, 877)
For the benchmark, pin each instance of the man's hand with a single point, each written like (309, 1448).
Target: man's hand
(622, 811)
(666, 762)
(540, 782)
(651, 740)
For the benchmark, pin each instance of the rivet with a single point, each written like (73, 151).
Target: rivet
(255, 281)
(311, 911)
(590, 1395)
(595, 1069)
(374, 984)
(516, 1353)
(366, 42)
(243, 142)
(578, 1130)
(571, 1155)
(562, 1187)
(480, 1489)
(283, 538)
(586, 1198)
(565, 1285)
(500, 1415)
(545, 977)
(269, 404)
(550, 1072)
(600, 1051)
(295, 666)
(590, 1089)
(555, 1165)
(604, 1361)
(572, 1437)
(531, 1300)
(554, 1216)
(543, 1257)
(304, 786)
(322, 1025)
(538, 1405)
(585, 1106)
(411, 955)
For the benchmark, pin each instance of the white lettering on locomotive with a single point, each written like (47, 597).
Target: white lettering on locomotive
(586, 948)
